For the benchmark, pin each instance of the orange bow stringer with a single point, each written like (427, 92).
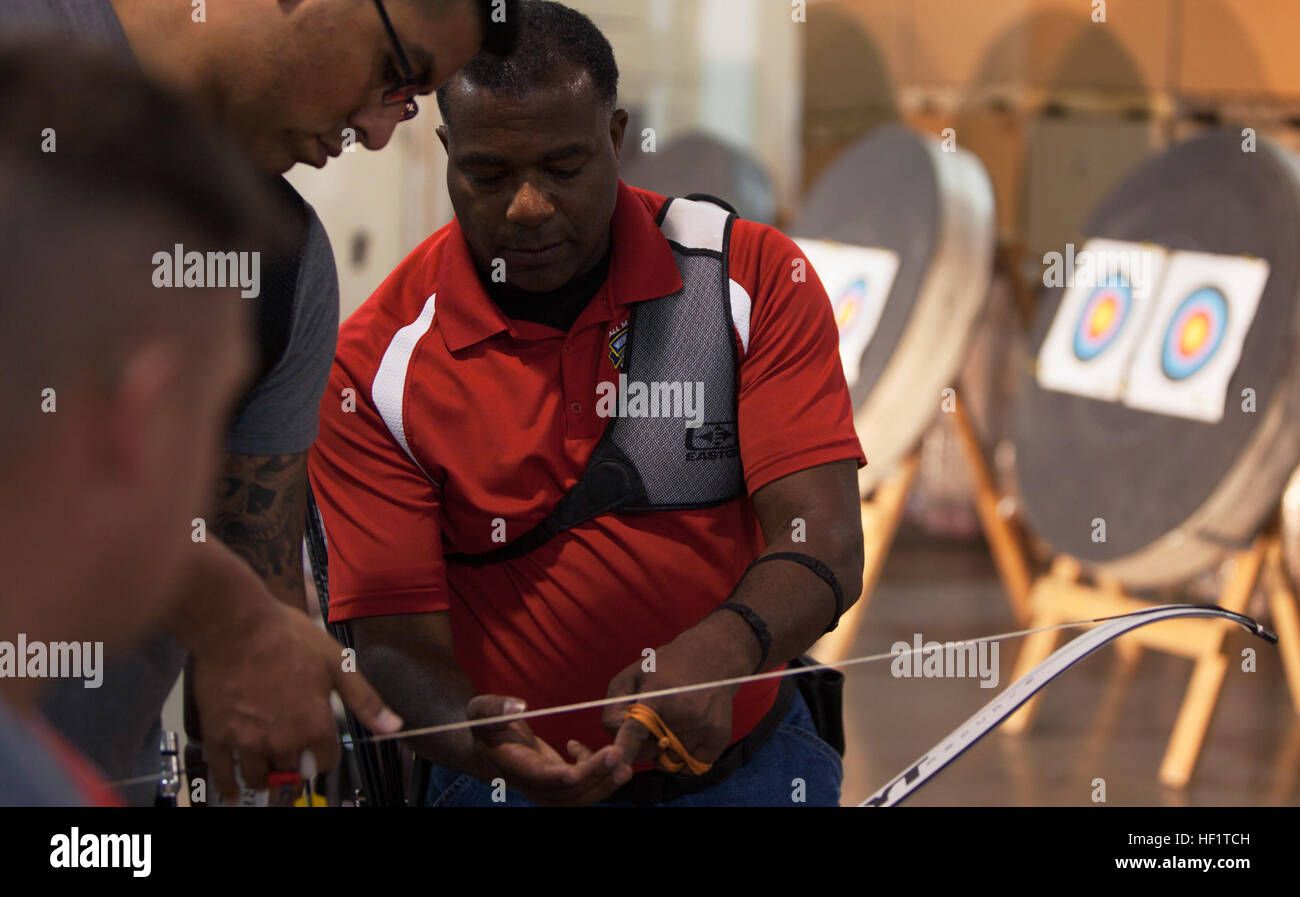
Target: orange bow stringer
(673, 755)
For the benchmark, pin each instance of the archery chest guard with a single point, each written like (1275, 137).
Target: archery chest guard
(655, 463)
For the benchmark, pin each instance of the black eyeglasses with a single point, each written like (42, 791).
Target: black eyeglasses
(404, 94)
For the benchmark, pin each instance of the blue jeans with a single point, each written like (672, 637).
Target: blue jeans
(794, 768)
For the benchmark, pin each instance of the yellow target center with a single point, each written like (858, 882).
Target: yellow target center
(1102, 317)
(1195, 333)
(845, 313)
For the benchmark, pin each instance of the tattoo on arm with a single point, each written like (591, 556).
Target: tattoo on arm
(260, 514)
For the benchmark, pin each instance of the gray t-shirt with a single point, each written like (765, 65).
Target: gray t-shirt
(117, 725)
(281, 415)
(90, 21)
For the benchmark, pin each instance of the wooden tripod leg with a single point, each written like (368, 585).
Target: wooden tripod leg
(891, 497)
(1129, 650)
(880, 518)
(1008, 553)
(1207, 679)
(1286, 620)
(1286, 767)
(1036, 649)
(1040, 645)
(1193, 720)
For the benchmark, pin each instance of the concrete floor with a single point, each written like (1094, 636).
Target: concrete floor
(1092, 723)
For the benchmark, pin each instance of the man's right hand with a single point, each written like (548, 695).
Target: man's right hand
(533, 768)
(263, 696)
(262, 674)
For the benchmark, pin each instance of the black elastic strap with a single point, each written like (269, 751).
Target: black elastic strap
(816, 566)
(750, 616)
(609, 482)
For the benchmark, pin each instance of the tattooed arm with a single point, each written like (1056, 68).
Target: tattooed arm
(262, 673)
(261, 509)
(262, 669)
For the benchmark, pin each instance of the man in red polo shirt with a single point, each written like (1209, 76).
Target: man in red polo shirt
(467, 398)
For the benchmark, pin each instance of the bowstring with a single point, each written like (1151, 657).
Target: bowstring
(666, 692)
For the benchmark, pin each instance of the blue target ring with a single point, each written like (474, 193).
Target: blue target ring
(1101, 320)
(1195, 333)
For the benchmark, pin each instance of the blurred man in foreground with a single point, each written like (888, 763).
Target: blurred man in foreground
(116, 393)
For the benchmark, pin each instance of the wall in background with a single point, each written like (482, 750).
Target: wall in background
(1058, 106)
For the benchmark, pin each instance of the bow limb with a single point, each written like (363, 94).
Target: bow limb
(1024, 688)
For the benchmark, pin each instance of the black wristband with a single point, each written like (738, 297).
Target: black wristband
(816, 566)
(750, 616)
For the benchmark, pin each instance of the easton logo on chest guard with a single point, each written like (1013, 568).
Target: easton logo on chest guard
(712, 440)
(686, 337)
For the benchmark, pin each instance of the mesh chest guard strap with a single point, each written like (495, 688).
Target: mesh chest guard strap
(654, 461)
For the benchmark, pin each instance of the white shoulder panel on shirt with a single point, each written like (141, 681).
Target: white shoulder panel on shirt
(740, 309)
(389, 387)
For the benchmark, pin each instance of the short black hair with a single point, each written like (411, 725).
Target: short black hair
(500, 20)
(550, 39)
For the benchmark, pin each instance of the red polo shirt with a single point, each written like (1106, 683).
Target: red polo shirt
(444, 421)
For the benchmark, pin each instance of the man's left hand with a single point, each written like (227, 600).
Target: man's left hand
(701, 719)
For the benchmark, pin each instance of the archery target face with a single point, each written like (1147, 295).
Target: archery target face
(1108, 293)
(1192, 345)
(857, 280)
(1105, 312)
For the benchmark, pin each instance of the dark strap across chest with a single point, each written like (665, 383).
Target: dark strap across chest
(651, 457)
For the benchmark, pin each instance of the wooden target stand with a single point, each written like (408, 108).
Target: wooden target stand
(882, 512)
(1059, 597)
